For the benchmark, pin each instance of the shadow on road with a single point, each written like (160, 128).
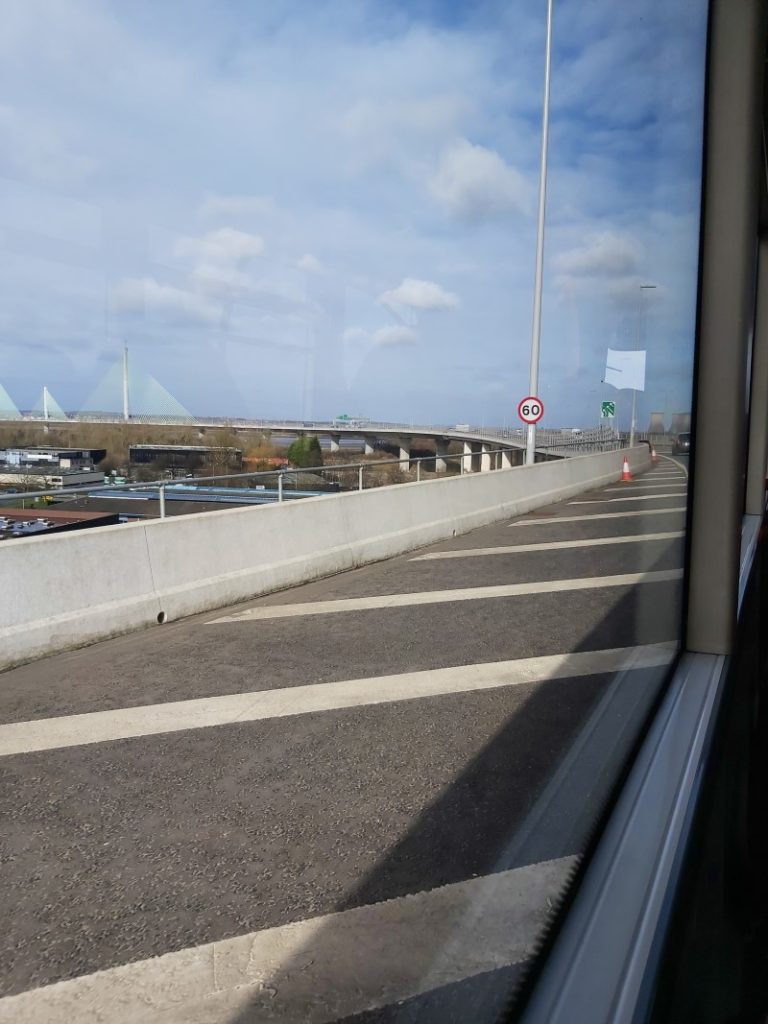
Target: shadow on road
(509, 807)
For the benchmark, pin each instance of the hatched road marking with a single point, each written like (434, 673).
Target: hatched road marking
(314, 969)
(232, 709)
(640, 487)
(320, 969)
(597, 515)
(638, 497)
(357, 604)
(558, 545)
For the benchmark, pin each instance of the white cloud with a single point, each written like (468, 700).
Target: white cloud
(226, 247)
(604, 253)
(217, 279)
(310, 263)
(146, 295)
(417, 294)
(355, 336)
(215, 207)
(280, 291)
(34, 151)
(474, 183)
(399, 132)
(395, 335)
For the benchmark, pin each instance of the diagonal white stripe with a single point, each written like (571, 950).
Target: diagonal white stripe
(597, 515)
(205, 712)
(638, 497)
(320, 969)
(357, 604)
(631, 488)
(513, 549)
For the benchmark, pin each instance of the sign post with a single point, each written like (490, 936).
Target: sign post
(530, 444)
(608, 412)
(626, 369)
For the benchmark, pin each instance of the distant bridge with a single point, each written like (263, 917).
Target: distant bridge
(484, 448)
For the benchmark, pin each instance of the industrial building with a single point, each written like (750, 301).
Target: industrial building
(29, 478)
(64, 458)
(183, 456)
(27, 468)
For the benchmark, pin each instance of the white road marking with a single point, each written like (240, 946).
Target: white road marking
(670, 481)
(597, 515)
(358, 604)
(638, 497)
(320, 969)
(513, 549)
(680, 465)
(258, 705)
(631, 488)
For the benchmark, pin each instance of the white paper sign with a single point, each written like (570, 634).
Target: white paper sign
(625, 369)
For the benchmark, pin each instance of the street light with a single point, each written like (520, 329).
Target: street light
(643, 287)
(530, 445)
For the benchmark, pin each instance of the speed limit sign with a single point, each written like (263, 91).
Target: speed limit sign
(531, 409)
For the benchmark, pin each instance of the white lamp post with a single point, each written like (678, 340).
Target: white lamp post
(633, 425)
(530, 446)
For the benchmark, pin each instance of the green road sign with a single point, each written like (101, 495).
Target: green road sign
(607, 409)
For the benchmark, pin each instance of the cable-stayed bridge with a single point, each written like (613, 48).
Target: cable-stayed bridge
(124, 392)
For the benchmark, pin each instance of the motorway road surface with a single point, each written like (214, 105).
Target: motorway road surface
(355, 800)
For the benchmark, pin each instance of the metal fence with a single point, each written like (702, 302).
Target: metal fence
(360, 471)
(353, 475)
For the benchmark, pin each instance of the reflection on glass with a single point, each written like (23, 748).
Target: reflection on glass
(244, 241)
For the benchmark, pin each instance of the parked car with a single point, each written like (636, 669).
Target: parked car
(682, 444)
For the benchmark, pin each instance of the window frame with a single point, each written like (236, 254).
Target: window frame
(603, 962)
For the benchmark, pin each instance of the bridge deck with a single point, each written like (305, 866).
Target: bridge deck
(338, 797)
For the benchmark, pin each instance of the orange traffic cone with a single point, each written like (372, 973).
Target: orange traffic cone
(654, 456)
(626, 476)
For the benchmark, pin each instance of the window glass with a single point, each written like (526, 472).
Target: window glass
(328, 741)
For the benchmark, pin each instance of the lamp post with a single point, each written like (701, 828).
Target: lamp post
(643, 287)
(530, 444)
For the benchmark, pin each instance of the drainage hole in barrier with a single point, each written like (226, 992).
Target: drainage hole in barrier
(161, 618)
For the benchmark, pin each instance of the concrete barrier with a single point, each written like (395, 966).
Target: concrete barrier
(72, 589)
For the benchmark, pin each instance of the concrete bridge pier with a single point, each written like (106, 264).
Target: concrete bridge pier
(368, 442)
(486, 459)
(405, 453)
(506, 458)
(335, 445)
(441, 450)
(467, 459)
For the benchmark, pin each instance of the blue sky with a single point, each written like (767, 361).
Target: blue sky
(295, 209)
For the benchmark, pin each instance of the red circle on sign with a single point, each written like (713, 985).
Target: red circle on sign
(530, 409)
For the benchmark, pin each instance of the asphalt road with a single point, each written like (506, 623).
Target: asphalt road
(355, 800)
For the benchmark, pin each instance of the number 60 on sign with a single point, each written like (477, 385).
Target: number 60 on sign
(530, 409)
